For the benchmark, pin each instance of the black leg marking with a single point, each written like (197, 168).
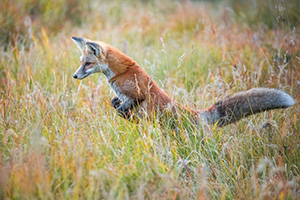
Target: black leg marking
(126, 109)
(116, 102)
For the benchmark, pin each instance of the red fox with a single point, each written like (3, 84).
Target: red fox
(137, 95)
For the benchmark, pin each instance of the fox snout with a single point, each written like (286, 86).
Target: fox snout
(81, 73)
(78, 77)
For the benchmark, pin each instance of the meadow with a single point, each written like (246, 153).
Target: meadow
(61, 139)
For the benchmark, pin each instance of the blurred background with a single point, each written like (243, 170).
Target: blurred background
(21, 20)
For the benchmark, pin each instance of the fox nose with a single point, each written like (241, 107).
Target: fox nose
(75, 76)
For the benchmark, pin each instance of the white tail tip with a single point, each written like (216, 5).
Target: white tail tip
(287, 100)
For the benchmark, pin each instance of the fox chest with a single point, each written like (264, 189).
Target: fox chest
(118, 92)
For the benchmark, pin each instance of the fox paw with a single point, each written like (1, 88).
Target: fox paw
(124, 113)
(127, 114)
(116, 102)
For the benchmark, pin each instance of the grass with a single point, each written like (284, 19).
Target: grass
(60, 139)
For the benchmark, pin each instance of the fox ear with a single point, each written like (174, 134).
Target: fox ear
(94, 48)
(80, 42)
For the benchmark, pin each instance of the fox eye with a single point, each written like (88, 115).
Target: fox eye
(88, 63)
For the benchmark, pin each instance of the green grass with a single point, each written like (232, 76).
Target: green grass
(60, 139)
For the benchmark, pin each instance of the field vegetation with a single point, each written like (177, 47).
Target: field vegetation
(60, 138)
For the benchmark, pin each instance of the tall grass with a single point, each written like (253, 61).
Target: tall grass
(60, 139)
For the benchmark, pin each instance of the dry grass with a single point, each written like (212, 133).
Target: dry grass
(60, 139)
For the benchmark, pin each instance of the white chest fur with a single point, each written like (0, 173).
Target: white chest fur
(118, 92)
(109, 74)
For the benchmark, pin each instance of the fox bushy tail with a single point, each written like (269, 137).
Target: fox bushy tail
(242, 104)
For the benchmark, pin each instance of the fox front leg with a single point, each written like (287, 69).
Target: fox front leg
(116, 102)
(126, 109)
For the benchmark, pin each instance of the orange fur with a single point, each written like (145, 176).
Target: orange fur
(137, 92)
(134, 82)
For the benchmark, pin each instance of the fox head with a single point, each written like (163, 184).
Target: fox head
(92, 58)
